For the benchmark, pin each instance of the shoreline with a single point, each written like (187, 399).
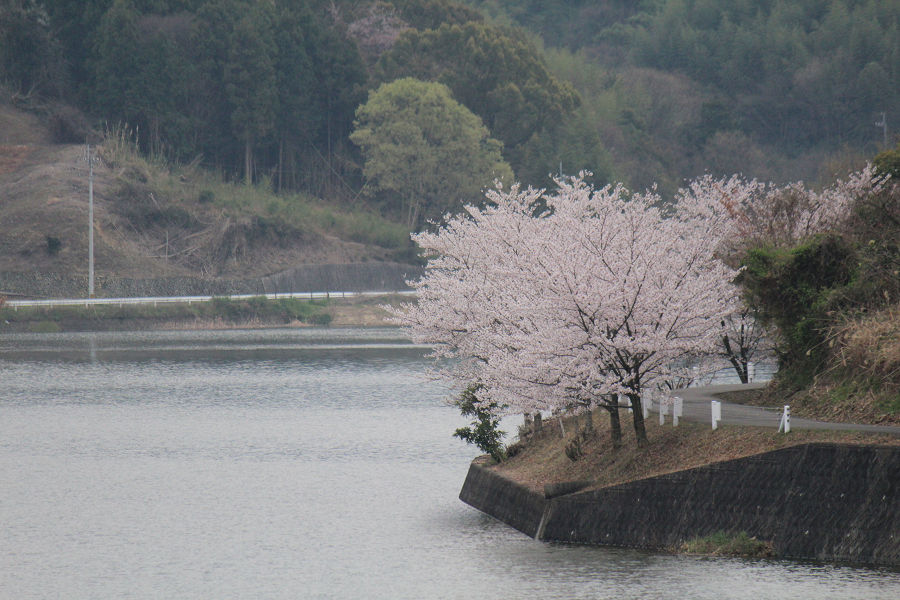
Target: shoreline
(692, 483)
(765, 497)
(337, 312)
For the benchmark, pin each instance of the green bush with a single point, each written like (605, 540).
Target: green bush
(282, 309)
(797, 289)
(53, 245)
(484, 431)
(888, 163)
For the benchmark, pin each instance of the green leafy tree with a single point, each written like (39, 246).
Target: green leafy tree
(499, 77)
(431, 14)
(73, 23)
(423, 150)
(115, 63)
(214, 24)
(140, 74)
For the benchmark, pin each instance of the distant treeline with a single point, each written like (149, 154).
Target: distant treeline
(773, 88)
(643, 91)
(269, 89)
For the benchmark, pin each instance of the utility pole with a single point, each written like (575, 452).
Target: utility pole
(883, 124)
(90, 158)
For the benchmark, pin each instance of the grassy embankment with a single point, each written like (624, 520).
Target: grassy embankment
(157, 219)
(861, 382)
(243, 227)
(220, 313)
(542, 459)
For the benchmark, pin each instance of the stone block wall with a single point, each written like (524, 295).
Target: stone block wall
(817, 501)
(514, 504)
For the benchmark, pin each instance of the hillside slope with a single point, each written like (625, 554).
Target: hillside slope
(151, 222)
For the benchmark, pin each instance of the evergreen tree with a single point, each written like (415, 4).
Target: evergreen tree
(250, 82)
(30, 57)
(294, 73)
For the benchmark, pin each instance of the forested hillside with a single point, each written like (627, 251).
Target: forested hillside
(655, 91)
(780, 89)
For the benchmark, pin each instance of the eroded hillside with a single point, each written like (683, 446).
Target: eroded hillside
(151, 221)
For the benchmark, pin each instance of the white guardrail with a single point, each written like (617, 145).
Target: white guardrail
(15, 304)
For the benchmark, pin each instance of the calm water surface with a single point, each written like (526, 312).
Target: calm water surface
(313, 463)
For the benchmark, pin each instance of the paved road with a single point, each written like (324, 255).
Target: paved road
(696, 407)
(15, 304)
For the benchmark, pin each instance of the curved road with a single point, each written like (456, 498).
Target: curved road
(696, 407)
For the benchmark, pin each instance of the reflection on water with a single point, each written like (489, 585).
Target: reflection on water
(282, 464)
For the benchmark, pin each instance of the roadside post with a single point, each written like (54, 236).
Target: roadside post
(785, 424)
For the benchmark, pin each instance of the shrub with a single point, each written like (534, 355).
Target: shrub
(320, 319)
(53, 245)
(888, 163)
(573, 448)
(484, 431)
(796, 289)
(721, 543)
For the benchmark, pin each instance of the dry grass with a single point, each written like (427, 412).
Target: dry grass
(12, 157)
(870, 345)
(861, 383)
(690, 445)
(727, 544)
(154, 219)
(363, 311)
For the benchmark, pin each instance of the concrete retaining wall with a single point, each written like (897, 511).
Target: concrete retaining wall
(818, 501)
(504, 500)
(355, 277)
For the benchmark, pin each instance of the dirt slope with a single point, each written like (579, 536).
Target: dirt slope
(44, 219)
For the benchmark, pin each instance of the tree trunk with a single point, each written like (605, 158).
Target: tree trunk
(589, 421)
(280, 165)
(640, 431)
(615, 426)
(738, 362)
(248, 162)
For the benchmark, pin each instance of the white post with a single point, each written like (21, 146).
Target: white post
(716, 414)
(676, 410)
(751, 372)
(90, 159)
(785, 424)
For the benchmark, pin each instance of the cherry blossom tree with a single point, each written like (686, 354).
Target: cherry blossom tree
(751, 213)
(569, 299)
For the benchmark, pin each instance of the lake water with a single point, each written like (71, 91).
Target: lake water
(301, 463)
